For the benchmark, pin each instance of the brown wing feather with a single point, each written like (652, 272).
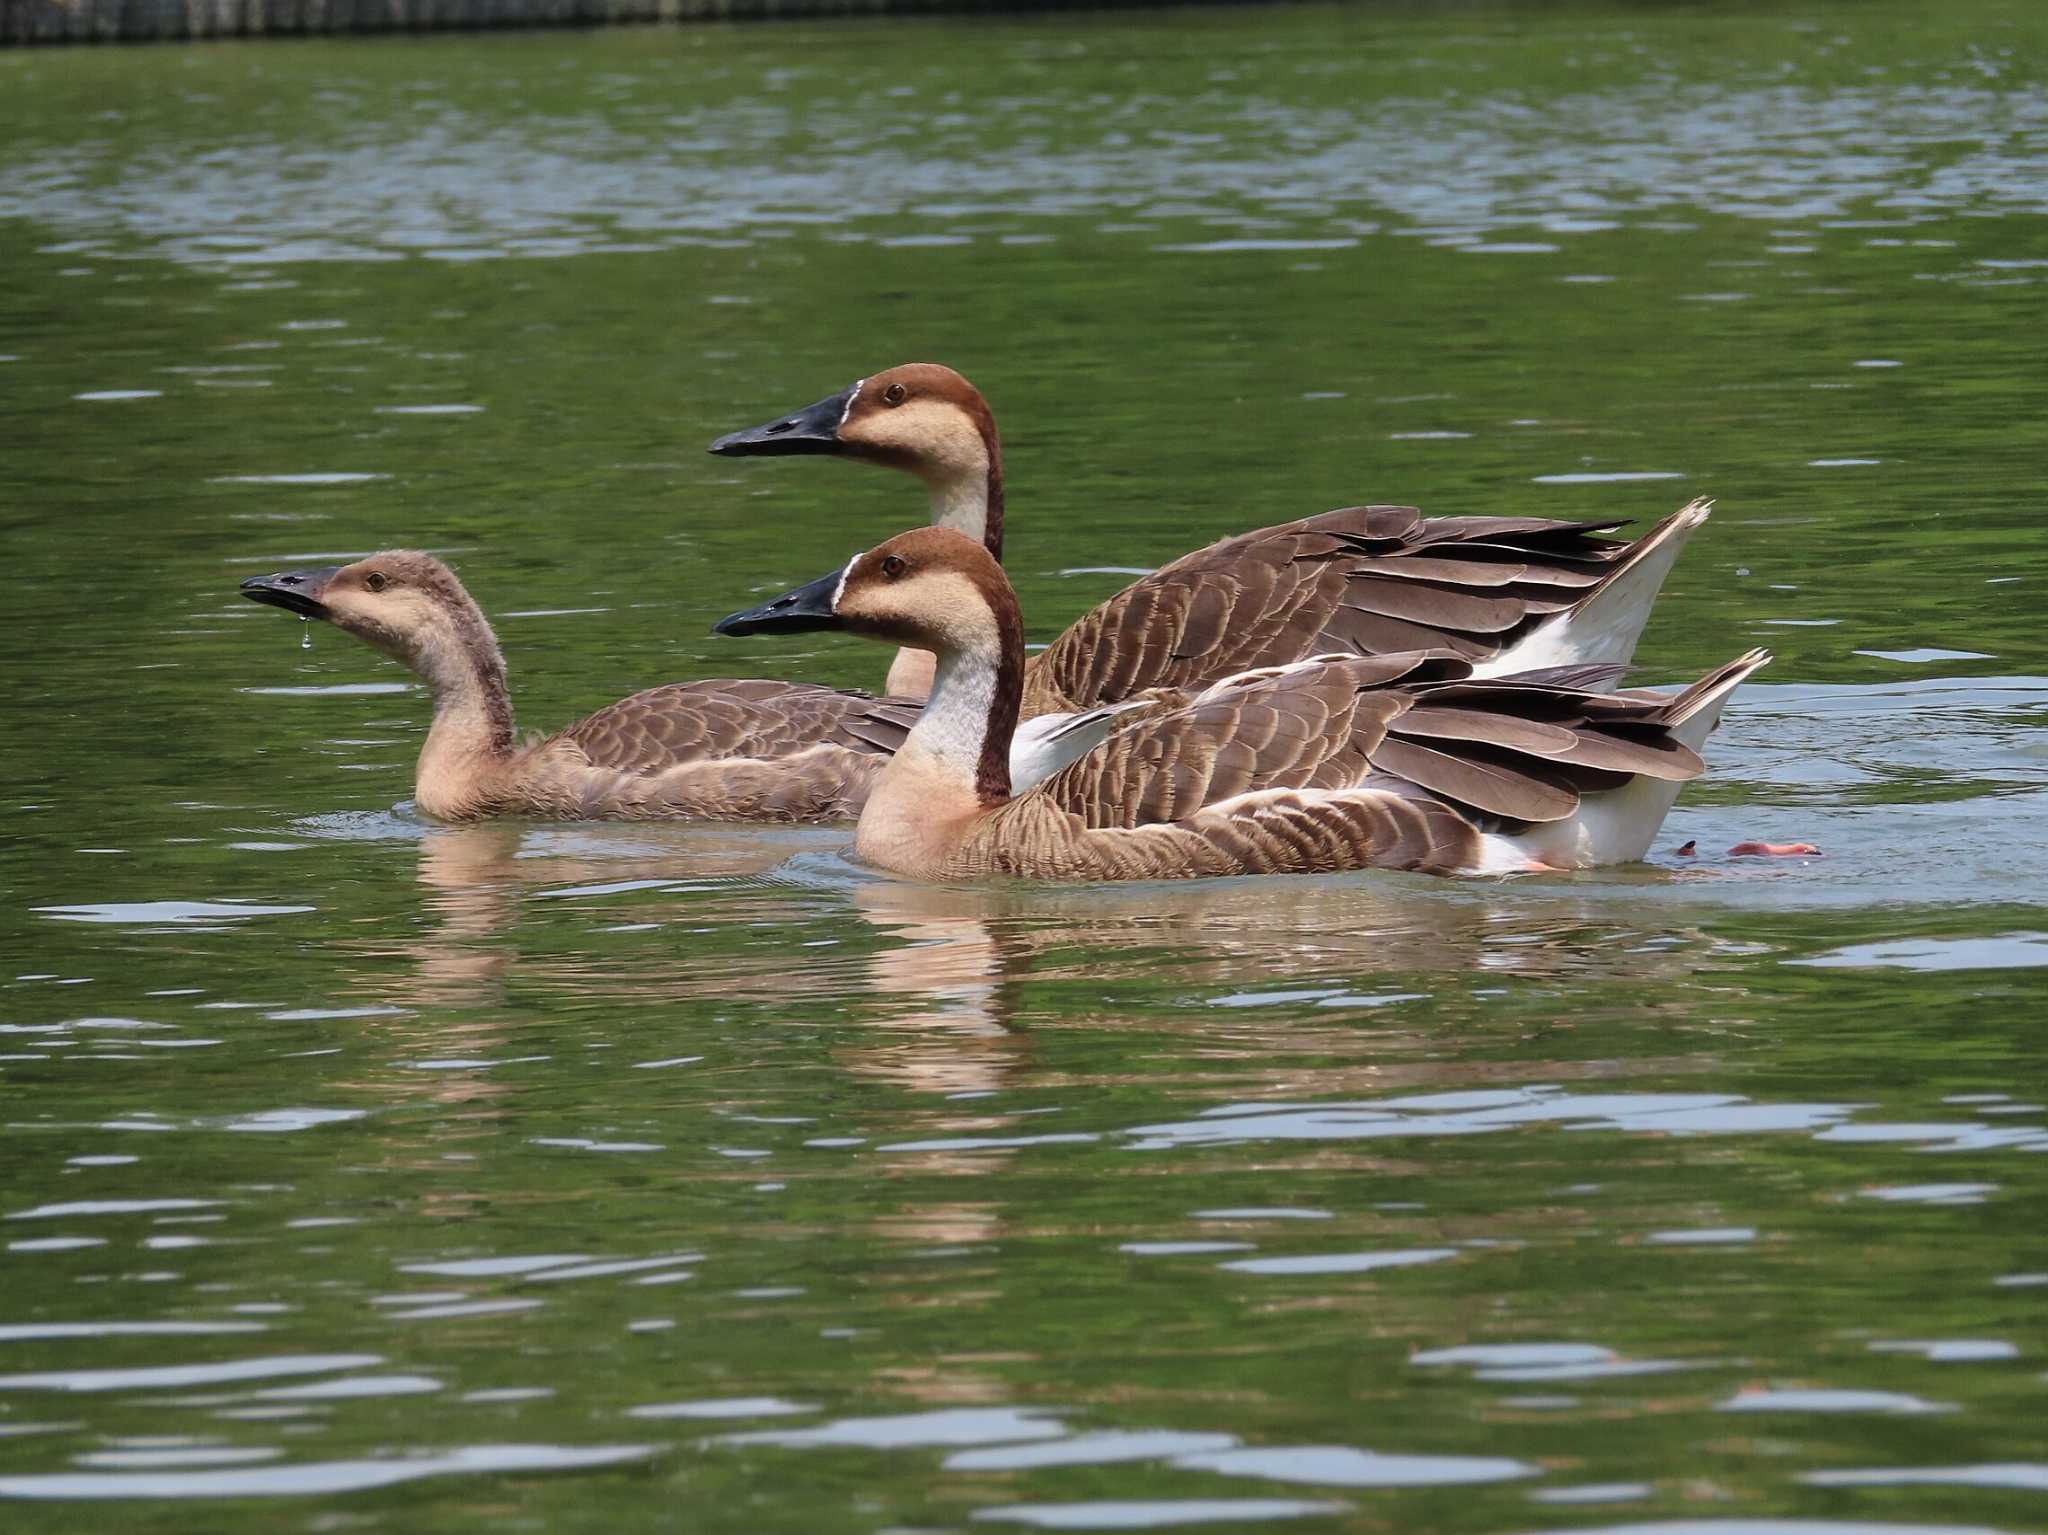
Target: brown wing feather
(723, 718)
(1290, 834)
(1312, 726)
(1340, 763)
(1501, 784)
(1364, 579)
(1513, 752)
(1539, 737)
(1613, 732)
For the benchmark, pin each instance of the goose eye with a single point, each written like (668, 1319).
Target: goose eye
(895, 394)
(892, 565)
(376, 581)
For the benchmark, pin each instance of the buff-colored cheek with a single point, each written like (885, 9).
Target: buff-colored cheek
(932, 432)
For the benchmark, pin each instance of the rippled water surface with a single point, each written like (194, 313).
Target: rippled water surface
(357, 1173)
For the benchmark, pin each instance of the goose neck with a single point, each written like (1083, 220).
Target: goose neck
(964, 734)
(472, 729)
(968, 497)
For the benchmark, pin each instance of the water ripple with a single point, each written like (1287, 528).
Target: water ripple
(455, 185)
(1156, 1514)
(322, 1477)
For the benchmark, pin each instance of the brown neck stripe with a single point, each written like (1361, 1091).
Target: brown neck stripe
(992, 772)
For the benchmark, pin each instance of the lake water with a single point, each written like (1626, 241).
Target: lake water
(382, 1176)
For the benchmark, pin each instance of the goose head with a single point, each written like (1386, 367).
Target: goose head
(402, 602)
(922, 418)
(936, 590)
(930, 588)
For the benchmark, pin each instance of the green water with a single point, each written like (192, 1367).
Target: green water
(380, 1176)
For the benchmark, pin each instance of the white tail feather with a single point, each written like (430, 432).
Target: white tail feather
(1605, 625)
(1695, 712)
(1618, 825)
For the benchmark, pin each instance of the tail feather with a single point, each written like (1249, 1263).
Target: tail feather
(1694, 712)
(1620, 605)
(1618, 825)
(1659, 546)
(1604, 625)
(1590, 677)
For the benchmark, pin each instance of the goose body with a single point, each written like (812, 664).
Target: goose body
(1333, 762)
(1508, 594)
(721, 749)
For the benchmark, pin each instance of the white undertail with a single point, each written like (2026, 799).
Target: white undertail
(1618, 825)
(1605, 625)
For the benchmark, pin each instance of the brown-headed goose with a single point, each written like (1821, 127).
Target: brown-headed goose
(717, 750)
(1509, 594)
(1403, 761)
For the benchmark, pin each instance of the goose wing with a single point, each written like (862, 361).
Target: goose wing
(724, 718)
(1313, 724)
(1369, 580)
(1515, 752)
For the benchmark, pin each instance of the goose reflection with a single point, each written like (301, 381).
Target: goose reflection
(478, 882)
(465, 872)
(953, 990)
(928, 996)
(1274, 983)
(1245, 931)
(942, 1024)
(440, 995)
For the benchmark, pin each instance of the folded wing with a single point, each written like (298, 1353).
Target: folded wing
(1502, 754)
(727, 718)
(1370, 580)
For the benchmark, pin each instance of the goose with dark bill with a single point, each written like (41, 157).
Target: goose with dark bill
(1508, 594)
(723, 749)
(1405, 761)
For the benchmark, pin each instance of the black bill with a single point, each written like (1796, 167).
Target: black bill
(296, 591)
(808, 607)
(814, 429)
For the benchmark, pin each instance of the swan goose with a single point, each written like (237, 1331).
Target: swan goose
(1404, 761)
(1508, 594)
(718, 750)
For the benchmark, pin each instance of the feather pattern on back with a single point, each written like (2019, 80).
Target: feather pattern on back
(737, 717)
(739, 749)
(1363, 580)
(1341, 762)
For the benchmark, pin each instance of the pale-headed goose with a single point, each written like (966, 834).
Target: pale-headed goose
(718, 750)
(1509, 594)
(1336, 762)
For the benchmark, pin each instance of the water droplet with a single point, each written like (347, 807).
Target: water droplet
(306, 634)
